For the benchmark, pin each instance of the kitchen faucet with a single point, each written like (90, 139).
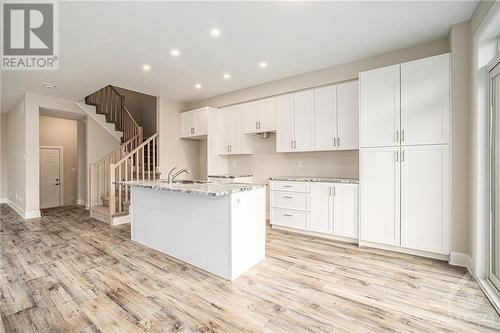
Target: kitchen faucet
(171, 177)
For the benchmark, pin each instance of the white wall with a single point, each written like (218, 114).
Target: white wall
(174, 151)
(63, 133)
(3, 156)
(16, 165)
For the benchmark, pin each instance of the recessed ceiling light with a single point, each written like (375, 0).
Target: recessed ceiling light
(263, 64)
(49, 85)
(226, 76)
(175, 53)
(147, 68)
(215, 32)
(197, 86)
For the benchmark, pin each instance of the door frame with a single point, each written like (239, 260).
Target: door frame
(61, 172)
(493, 72)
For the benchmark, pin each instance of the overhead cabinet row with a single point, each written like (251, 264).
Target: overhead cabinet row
(324, 118)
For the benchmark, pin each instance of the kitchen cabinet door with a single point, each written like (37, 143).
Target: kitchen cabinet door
(325, 118)
(251, 115)
(284, 123)
(345, 210)
(240, 143)
(187, 120)
(379, 91)
(347, 116)
(425, 101)
(226, 130)
(379, 199)
(304, 120)
(425, 205)
(267, 115)
(322, 208)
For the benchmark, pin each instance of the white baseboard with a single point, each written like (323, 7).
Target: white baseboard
(3, 200)
(460, 259)
(25, 215)
(81, 202)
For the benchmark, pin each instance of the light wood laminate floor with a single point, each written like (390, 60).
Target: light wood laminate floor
(66, 272)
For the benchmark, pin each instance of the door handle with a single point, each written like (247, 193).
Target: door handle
(57, 184)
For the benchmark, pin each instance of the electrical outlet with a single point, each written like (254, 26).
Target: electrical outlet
(299, 164)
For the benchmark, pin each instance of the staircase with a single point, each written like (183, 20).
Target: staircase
(135, 159)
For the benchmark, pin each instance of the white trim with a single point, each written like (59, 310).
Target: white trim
(3, 200)
(316, 234)
(490, 293)
(61, 173)
(400, 249)
(461, 259)
(25, 215)
(81, 202)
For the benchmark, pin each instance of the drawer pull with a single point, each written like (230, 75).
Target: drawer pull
(288, 215)
(286, 197)
(287, 185)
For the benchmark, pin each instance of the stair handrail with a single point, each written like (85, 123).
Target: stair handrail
(124, 170)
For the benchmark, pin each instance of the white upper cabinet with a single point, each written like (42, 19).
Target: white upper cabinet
(425, 101)
(425, 202)
(251, 112)
(379, 199)
(284, 123)
(303, 120)
(194, 123)
(379, 107)
(325, 118)
(260, 116)
(347, 115)
(232, 139)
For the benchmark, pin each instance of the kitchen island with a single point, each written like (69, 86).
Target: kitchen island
(218, 227)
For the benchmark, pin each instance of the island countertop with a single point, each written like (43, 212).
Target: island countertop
(204, 189)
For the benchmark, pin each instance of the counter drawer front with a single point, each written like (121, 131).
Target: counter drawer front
(289, 186)
(288, 218)
(288, 200)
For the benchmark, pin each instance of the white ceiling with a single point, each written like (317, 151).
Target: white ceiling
(108, 42)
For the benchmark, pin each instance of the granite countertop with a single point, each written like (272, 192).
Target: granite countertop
(205, 189)
(316, 179)
(230, 176)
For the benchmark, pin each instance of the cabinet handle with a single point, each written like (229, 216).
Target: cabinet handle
(286, 197)
(334, 142)
(256, 125)
(259, 124)
(397, 155)
(291, 144)
(338, 141)
(287, 185)
(402, 156)
(334, 191)
(402, 135)
(397, 136)
(287, 215)
(330, 191)
(294, 144)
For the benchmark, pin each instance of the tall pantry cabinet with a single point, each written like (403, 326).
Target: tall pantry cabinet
(404, 155)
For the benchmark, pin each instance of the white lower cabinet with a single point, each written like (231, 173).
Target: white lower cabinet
(327, 208)
(405, 199)
(379, 179)
(425, 198)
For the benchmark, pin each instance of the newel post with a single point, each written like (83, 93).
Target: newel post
(112, 192)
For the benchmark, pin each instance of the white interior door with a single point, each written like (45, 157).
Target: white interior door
(379, 91)
(304, 120)
(380, 191)
(348, 115)
(284, 123)
(425, 198)
(325, 118)
(425, 101)
(50, 177)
